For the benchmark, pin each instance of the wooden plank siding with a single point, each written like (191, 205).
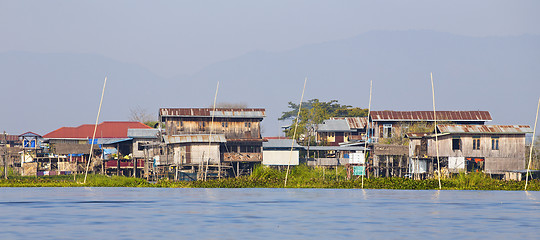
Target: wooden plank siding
(232, 128)
(510, 156)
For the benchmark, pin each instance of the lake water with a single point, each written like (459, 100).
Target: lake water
(149, 213)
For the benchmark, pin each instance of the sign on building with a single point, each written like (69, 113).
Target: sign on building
(357, 158)
(359, 171)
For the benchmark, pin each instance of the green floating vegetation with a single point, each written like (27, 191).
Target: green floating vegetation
(265, 177)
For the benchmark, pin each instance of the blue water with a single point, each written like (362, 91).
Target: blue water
(146, 213)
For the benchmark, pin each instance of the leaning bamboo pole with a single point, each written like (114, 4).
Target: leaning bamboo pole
(532, 145)
(95, 129)
(367, 130)
(436, 138)
(294, 135)
(210, 137)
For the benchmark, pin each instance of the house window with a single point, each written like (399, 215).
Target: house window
(494, 143)
(456, 143)
(225, 124)
(387, 130)
(476, 143)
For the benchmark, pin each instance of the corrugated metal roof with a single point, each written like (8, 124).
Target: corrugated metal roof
(9, 138)
(334, 125)
(195, 138)
(334, 148)
(143, 133)
(29, 134)
(354, 122)
(428, 116)
(219, 113)
(280, 143)
(502, 129)
(108, 141)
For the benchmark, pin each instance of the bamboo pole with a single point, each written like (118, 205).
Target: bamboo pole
(367, 129)
(532, 145)
(95, 129)
(210, 138)
(436, 138)
(294, 135)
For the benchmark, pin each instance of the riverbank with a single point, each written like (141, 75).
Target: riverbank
(299, 177)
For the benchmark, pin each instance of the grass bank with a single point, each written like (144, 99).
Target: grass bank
(299, 177)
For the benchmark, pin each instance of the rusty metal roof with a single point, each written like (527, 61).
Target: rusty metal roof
(195, 138)
(500, 129)
(354, 122)
(428, 116)
(219, 113)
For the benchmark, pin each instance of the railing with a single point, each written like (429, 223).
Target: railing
(327, 161)
(123, 163)
(242, 157)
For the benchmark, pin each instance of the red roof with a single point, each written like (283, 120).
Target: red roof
(104, 130)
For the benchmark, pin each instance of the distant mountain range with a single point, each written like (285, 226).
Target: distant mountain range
(42, 92)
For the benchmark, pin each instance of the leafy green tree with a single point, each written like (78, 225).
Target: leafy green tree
(314, 112)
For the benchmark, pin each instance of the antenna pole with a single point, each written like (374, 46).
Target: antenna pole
(95, 129)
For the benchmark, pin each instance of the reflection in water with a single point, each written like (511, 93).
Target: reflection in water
(129, 213)
(436, 195)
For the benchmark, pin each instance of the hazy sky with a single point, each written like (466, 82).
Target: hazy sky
(174, 38)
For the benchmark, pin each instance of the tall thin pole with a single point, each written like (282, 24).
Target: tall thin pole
(210, 138)
(532, 145)
(367, 130)
(5, 153)
(294, 135)
(436, 138)
(95, 129)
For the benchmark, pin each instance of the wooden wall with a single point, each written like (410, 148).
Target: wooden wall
(510, 146)
(232, 128)
(196, 153)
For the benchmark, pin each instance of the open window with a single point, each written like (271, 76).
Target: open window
(387, 130)
(456, 143)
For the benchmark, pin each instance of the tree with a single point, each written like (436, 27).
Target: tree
(139, 114)
(314, 112)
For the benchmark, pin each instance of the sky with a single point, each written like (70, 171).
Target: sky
(181, 39)
(177, 38)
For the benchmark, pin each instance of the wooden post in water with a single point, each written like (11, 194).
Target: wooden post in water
(210, 138)
(95, 129)
(532, 145)
(5, 155)
(294, 135)
(367, 132)
(436, 138)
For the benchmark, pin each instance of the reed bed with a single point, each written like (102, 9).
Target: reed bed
(300, 177)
